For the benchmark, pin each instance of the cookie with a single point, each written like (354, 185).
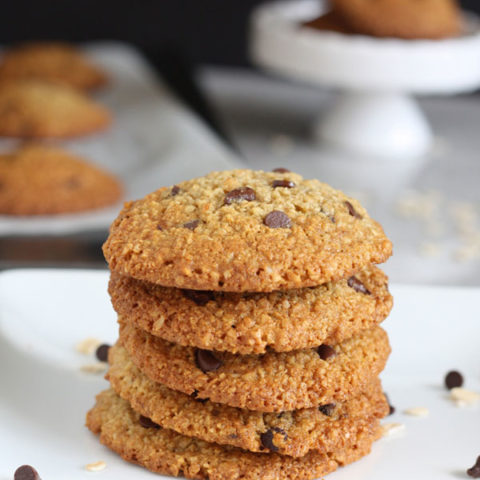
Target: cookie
(273, 382)
(409, 19)
(254, 322)
(244, 230)
(39, 180)
(34, 109)
(293, 433)
(330, 21)
(53, 62)
(163, 451)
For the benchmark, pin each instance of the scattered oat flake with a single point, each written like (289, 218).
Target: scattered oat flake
(463, 397)
(98, 367)
(88, 346)
(390, 429)
(417, 411)
(96, 466)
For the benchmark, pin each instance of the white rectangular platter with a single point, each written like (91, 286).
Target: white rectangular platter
(44, 395)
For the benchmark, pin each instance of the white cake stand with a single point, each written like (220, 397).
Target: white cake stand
(375, 113)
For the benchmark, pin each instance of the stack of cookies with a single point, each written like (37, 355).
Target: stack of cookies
(249, 347)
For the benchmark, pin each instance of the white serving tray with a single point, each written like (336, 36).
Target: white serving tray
(154, 141)
(44, 396)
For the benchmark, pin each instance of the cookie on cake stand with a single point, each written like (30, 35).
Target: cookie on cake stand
(375, 112)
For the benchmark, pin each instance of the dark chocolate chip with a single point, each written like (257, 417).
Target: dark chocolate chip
(159, 227)
(233, 436)
(192, 225)
(453, 379)
(195, 397)
(391, 408)
(200, 297)
(26, 472)
(102, 352)
(327, 409)
(352, 211)
(281, 170)
(326, 352)
(474, 472)
(146, 422)
(358, 286)
(175, 190)
(267, 438)
(277, 219)
(241, 194)
(206, 361)
(283, 183)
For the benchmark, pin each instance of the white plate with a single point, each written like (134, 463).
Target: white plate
(44, 396)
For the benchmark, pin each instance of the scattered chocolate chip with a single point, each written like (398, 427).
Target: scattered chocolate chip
(358, 286)
(26, 472)
(200, 297)
(352, 211)
(283, 183)
(175, 190)
(195, 397)
(267, 438)
(474, 472)
(391, 410)
(206, 361)
(327, 409)
(281, 170)
(453, 379)
(240, 194)
(102, 352)
(192, 225)
(146, 422)
(277, 219)
(326, 352)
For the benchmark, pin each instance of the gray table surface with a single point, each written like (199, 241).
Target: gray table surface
(429, 207)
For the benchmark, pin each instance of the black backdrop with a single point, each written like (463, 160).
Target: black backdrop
(206, 31)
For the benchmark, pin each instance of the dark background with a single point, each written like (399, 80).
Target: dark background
(204, 31)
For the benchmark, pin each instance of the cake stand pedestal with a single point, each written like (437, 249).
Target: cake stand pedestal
(375, 112)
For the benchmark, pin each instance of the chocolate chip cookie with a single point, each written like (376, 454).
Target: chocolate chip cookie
(254, 322)
(244, 230)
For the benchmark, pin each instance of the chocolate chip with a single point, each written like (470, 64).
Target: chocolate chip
(206, 361)
(199, 400)
(267, 438)
(277, 219)
(239, 195)
(200, 297)
(26, 472)
(453, 379)
(146, 422)
(352, 211)
(159, 227)
(474, 472)
(327, 409)
(358, 286)
(102, 352)
(281, 170)
(391, 408)
(326, 352)
(283, 183)
(233, 436)
(192, 225)
(175, 190)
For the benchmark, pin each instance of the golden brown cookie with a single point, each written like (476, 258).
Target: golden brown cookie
(409, 19)
(244, 230)
(254, 322)
(330, 21)
(273, 382)
(53, 62)
(39, 180)
(35, 109)
(294, 433)
(164, 451)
